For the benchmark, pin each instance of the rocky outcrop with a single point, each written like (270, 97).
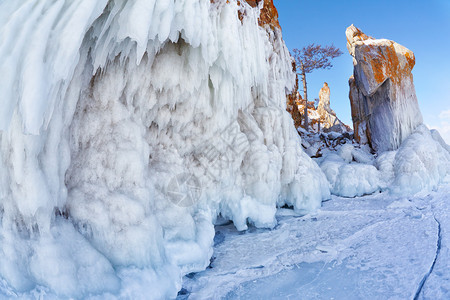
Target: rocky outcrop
(268, 14)
(319, 119)
(292, 101)
(324, 99)
(382, 94)
(326, 117)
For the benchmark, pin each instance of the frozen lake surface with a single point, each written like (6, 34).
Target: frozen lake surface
(372, 247)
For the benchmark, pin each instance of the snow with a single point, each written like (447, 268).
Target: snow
(418, 166)
(106, 107)
(345, 152)
(357, 180)
(362, 155)
(378, 247)
(420, 163)
(350, 179)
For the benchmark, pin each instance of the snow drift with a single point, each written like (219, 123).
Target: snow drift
(108, 108)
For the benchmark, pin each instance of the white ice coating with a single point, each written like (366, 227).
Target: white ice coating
(418, 166)
(104, 106)
(421, 162)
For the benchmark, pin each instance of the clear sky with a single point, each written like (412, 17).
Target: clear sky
(422, 26)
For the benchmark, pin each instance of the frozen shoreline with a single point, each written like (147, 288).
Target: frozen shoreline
(377, 246)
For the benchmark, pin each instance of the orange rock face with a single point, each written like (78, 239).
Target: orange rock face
(385, 62)
(355, 34)
(382, 95)
(268, 14)
(380, 59)
(293, 101)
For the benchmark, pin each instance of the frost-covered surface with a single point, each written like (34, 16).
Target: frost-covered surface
(419, 165)
(372, 247)
(106, 106)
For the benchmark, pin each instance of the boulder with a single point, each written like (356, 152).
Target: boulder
(382, 94)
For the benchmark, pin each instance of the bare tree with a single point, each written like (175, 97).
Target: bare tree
(310, 58)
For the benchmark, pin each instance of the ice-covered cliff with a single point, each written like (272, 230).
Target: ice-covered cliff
(126, 128)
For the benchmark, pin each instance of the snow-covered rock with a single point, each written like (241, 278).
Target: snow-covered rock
(420, 164)
(126, 127)
(349, 178)
(345, 152)
(382, 94)
(357, 179)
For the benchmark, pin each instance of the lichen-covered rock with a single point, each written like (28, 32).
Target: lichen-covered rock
(268, 14)
(292, 102)
(382, 94)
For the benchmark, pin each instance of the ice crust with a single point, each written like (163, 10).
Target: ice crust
(103, 105)
(419, 165)
(350, 179)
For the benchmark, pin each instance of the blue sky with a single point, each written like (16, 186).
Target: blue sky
(422, 26)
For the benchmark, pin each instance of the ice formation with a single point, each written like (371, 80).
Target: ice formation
(108, 105)
(420, 164)
(351, 172)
